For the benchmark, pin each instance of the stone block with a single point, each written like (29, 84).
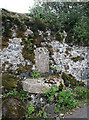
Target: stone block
(33, 86)
(42, 59)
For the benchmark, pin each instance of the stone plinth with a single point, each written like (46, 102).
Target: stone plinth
(42, 60)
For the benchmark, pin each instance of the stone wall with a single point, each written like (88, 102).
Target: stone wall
(72, 60)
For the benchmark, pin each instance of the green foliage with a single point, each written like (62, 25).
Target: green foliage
(51, 93)
(59, 16)
(66, 99)
(29, 47)
(36, 74)
(49, 18)
(3, 31)
(44, 114)
(28, 43)
(28, 40)
(39, 114)
(14, 92)
(81, 92)
(54, 67)
(80, 34)
(31, 109)
(45, 76)
(23, 95)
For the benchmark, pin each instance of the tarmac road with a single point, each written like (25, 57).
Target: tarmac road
(80, 114)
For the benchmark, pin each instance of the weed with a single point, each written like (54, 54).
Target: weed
(36, 74)
(54, 67)
(14, 92)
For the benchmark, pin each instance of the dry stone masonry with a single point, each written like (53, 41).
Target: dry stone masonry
(12, 55)
(63, 56)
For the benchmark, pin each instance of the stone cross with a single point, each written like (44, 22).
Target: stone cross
(42, 60)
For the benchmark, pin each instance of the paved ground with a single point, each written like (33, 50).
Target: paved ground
(81, 113)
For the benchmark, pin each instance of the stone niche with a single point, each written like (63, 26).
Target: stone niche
(42, 60)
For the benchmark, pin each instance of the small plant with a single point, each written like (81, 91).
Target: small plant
(28, 40)
(23, 95)
(36, 74)
(56, 110)
(44, 114)
(66, 99)
(81, 92)
(29, 47)
(31, 113)
(51, 93)
(31, 109)
(3, 31)
(28, 43)
(54, 67)
(14, 92)
(39, 114)
(11, 93)
(46, 76)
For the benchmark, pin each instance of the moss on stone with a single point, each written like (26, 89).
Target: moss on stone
(37, 24)
(9, 81)
(68, 49)
(11, 20)
(29, 56)
(50, 49)
(65, 76)
(20, 34)
(69, 79)
(36, 42)
(13, 109)
(23, 69)
(4, 44)
(78, 58)
(80, 83)
(60, 86)
(66, 52)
